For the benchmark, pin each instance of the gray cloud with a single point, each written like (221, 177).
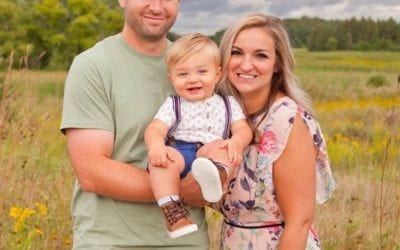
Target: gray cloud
(383, 2)
(202, 5)
(210, 16)
(283, 7)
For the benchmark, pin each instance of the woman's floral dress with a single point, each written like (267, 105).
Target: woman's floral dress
(250, 202)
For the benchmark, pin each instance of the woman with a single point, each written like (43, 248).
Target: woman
(271, 202)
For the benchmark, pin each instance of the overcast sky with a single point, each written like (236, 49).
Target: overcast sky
(209, 16)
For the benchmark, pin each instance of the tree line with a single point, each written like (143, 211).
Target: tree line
(49, 33)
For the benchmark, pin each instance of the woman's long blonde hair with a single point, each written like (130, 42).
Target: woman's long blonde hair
(284, 79)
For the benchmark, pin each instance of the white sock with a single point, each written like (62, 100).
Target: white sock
(166, 199)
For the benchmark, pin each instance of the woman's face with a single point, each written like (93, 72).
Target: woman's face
(252, 63)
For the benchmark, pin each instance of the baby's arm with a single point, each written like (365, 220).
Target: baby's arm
(241, 137)
(154, 136)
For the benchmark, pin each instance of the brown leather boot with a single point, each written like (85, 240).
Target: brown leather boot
(177, 219)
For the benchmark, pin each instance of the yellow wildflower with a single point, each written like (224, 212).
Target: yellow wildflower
(17, 226)
(15, 212)
(67, 242)
(42, 208)
(38, 232)
(27, 213)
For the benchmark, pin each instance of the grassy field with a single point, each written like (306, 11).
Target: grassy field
(357, 98)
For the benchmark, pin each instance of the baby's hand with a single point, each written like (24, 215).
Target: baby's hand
(158, 156)
(235, 151)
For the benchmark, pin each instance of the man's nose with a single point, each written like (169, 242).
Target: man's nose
(155, 5)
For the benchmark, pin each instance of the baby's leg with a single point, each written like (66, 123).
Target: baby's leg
(212, 170)
(165, 181)
(165, 184)
(213, 151)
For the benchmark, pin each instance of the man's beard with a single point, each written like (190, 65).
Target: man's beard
(148, 35)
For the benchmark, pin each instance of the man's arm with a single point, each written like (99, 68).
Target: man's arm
(90, 152)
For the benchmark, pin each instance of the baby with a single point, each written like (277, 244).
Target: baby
(186, 122)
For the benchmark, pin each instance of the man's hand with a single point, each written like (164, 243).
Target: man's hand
(191, 193)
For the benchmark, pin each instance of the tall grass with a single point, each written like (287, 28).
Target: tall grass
(360, 122)
(36, 179)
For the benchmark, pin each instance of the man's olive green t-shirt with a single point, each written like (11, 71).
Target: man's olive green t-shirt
(114, 88)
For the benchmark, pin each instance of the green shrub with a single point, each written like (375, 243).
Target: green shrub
(377, 81)
(50, 89)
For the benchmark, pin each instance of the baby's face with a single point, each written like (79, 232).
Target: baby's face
(195, 79)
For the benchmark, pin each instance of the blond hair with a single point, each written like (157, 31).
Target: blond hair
(189, 45)
(284, 79)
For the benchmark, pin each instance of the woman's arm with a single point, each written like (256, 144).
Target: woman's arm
(294, 179)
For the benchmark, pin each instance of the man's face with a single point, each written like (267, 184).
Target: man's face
(150, 19)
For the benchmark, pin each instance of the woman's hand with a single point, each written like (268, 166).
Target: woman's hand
(235, 151)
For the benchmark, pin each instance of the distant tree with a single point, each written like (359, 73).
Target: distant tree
(363, 46)
(49, 33)
(319, 37)
(12, 34)
(46, 24)
(113, 4)
(385, 44)
(83, 28)
(343, 36)
(332, 43)
(218, 36)
(389, 29)
(60, 29)
(299, 30)
(172, 36)
(370, 30)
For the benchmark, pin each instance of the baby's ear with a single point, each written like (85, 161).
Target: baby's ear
(219, 71)
(122, 3)
(218, 75)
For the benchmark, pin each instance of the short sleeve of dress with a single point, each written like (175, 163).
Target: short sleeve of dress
(275, 131)
(275, 134)
(325, 181)
(237, 112)
(166, 113)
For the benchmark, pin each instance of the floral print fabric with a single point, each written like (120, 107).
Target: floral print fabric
(251, 200)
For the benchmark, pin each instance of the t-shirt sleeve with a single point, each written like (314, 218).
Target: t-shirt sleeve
(237, 112)
(166, 113)
(87, 102)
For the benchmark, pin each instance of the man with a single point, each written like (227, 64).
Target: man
(112, 92)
